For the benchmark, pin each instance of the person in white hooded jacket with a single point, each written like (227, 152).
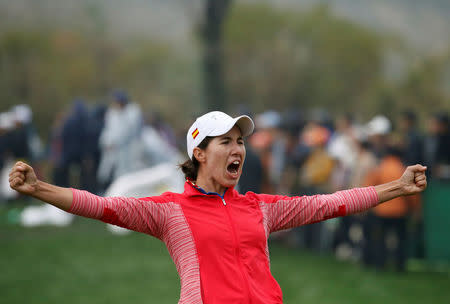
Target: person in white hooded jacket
(120, 138)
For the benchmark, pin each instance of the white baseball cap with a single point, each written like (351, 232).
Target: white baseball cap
(22, 113)
(379, 125)
(215, 123)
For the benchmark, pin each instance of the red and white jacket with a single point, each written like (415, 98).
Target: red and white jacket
(219, 244)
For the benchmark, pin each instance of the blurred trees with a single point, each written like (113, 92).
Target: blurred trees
(427, 85)
(272, 58)
(279, 59)
(48, 69)
(288, 59)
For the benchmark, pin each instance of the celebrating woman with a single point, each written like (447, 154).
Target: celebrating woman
(217, 237)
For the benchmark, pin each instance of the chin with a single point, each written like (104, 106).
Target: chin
(231, 183)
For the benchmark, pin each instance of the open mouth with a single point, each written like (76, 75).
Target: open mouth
(233, 168)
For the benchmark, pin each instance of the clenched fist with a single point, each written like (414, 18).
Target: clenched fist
(414, 179)
(23, 179)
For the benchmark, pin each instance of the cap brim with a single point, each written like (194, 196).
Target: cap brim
(245, 123)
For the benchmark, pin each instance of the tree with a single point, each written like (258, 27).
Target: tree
(211, 33)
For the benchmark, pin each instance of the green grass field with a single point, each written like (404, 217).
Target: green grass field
(84, 263)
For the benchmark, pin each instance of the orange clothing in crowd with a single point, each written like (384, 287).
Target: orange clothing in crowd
(391, 168)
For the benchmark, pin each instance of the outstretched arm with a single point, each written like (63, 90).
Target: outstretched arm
(146, 215)
(412, 181)
(23, 179)
(282, 212)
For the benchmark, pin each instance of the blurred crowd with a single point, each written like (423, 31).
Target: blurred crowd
(314, 153)
(292, 153)
(107, 142)
(89, 146)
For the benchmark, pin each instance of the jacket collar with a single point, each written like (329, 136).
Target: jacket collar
(190, 189)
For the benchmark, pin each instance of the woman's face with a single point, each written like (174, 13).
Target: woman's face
(223, 158)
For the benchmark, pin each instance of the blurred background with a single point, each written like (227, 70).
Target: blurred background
(98, 95)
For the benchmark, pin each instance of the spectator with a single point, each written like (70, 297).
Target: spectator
(6, 126)
(20, 135)
(437, 146)
(95, 125)
(72, 138)
(342, 148)
(412, 142)
(348, 239)
(252, 177)
(55, 145)
(119, 140)
(318, 166)
(389, 217)
(252, 173)
(156, 144)
(378, 129)
(315, 176)
(270, 144)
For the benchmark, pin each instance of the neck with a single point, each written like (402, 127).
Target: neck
(210, 185)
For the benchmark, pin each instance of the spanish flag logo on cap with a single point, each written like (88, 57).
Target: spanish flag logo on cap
(195, 133)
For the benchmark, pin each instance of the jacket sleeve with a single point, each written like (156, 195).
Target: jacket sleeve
(283, 212)
(147, 215)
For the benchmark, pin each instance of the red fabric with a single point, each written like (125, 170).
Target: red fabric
(109, 216)
(220, 250)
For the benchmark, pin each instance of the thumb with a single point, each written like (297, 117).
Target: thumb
(417, 168)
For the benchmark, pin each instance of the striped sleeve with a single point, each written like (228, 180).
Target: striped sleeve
(143, 215)
(282, 212)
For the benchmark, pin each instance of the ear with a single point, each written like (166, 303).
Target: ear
(199, 154)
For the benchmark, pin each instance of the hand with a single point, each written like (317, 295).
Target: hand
(414, 179)
(23, 179)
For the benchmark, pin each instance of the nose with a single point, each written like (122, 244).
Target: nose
(238, 150)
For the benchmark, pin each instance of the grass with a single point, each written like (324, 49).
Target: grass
(83, 263)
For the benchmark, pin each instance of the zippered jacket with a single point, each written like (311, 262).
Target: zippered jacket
(219, 243)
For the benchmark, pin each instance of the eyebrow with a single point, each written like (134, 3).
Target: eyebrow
(229, 138)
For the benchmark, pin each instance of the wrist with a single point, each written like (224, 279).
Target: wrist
(39, 188)
(396, 188)
(57, 196)
(400, 187)
(390, 190)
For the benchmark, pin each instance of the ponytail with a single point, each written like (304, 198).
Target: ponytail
(190, 169)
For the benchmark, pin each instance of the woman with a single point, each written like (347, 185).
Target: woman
(217, 237)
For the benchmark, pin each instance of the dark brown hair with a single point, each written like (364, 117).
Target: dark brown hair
(190, 167)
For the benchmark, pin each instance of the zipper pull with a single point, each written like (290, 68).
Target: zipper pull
(223, 201)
